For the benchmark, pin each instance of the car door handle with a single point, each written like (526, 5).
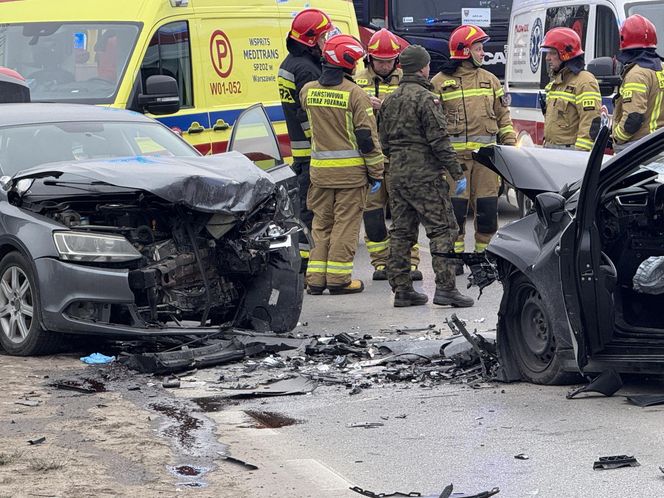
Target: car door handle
(195, 128)
(220, 125)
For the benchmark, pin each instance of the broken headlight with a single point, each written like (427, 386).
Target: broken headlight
(94, 248)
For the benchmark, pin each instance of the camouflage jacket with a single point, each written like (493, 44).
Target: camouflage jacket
(414, 134)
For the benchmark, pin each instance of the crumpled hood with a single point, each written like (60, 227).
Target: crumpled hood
(226, 183)
(533, 170)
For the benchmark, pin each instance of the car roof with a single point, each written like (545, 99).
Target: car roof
(23, 114)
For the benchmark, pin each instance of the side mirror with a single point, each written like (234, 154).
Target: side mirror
(161, 95)
(550, 208)
(607, 72)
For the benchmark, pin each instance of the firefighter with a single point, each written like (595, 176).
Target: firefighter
(638, 108)
(414, 135)
(380, 78)
(477, 115)
(345, 158)
(302, 65)
(573, 101)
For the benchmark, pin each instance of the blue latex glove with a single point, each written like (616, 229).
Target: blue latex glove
(375, 186)
(461, 186)
(97, 359)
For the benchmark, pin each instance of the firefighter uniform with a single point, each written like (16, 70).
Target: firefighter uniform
(377, 239)
(477, 115)
(573, 103)
(638, 109)
(301, 65)
(638, 106)
(345, 153)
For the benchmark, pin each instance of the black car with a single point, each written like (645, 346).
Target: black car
(112, 224)
(583, 274)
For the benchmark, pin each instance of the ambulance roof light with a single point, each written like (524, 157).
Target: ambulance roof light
(179, 3)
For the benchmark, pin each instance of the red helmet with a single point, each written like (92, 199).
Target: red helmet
(565, 41)
(309, 25)
(463, 37)
(10, 73)
(384, 45)
(637, 32)
(343, 51)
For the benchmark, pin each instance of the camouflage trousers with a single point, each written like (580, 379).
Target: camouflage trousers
(427, 203)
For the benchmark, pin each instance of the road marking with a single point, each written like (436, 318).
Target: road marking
(324, 478)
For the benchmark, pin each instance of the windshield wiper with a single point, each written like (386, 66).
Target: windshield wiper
(73, 185)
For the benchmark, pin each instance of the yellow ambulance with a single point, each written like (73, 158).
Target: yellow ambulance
(223, 54)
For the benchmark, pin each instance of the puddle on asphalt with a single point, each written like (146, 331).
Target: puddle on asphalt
(212, 403)
(271, 420)
(187, 470)
(185, 426)
(190, 472)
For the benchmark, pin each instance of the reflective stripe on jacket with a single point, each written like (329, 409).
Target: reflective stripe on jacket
(640, 94)
(294, 73)
(335, 114)
(573, 101)
(371, 82)
(475, 107)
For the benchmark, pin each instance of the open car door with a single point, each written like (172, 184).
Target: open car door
(588, 277)
(254, 136)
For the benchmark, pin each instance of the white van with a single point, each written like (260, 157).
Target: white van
(596, 21)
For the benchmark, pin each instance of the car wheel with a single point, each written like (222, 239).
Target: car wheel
(20, 316)
(524, 203)
(532, 340)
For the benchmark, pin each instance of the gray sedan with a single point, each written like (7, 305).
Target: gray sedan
(111, 224)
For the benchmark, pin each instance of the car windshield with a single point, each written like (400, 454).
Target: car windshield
(27, 146)
(69, 62)
(653, 11)
(452, 13)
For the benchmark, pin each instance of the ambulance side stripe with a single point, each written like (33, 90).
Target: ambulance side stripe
(529, 100)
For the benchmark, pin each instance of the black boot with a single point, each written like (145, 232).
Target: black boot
(380, 273)
(452, 297)
(409, 297)
(415, 274)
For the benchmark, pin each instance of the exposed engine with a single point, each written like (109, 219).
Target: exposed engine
(194, 265)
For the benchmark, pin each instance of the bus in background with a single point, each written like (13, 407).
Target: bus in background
(430, 23)
(596, 21)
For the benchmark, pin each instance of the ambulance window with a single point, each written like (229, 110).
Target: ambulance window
(572, 16)
(169, 54)
(606, 33)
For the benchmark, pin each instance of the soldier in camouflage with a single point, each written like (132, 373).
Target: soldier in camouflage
(414, 135)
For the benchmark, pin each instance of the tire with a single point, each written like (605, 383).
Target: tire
(532, 341)
(21, 333)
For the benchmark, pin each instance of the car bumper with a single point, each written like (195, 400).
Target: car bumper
(62, 284)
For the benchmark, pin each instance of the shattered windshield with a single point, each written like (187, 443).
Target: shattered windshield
(23, 147)
(69, 62)
(452, 13)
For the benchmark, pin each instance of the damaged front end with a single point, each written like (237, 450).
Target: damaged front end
(188, 266)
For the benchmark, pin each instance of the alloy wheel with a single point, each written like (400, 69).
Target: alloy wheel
(16, 304)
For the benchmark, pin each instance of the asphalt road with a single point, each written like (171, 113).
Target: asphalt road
(451, 433)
